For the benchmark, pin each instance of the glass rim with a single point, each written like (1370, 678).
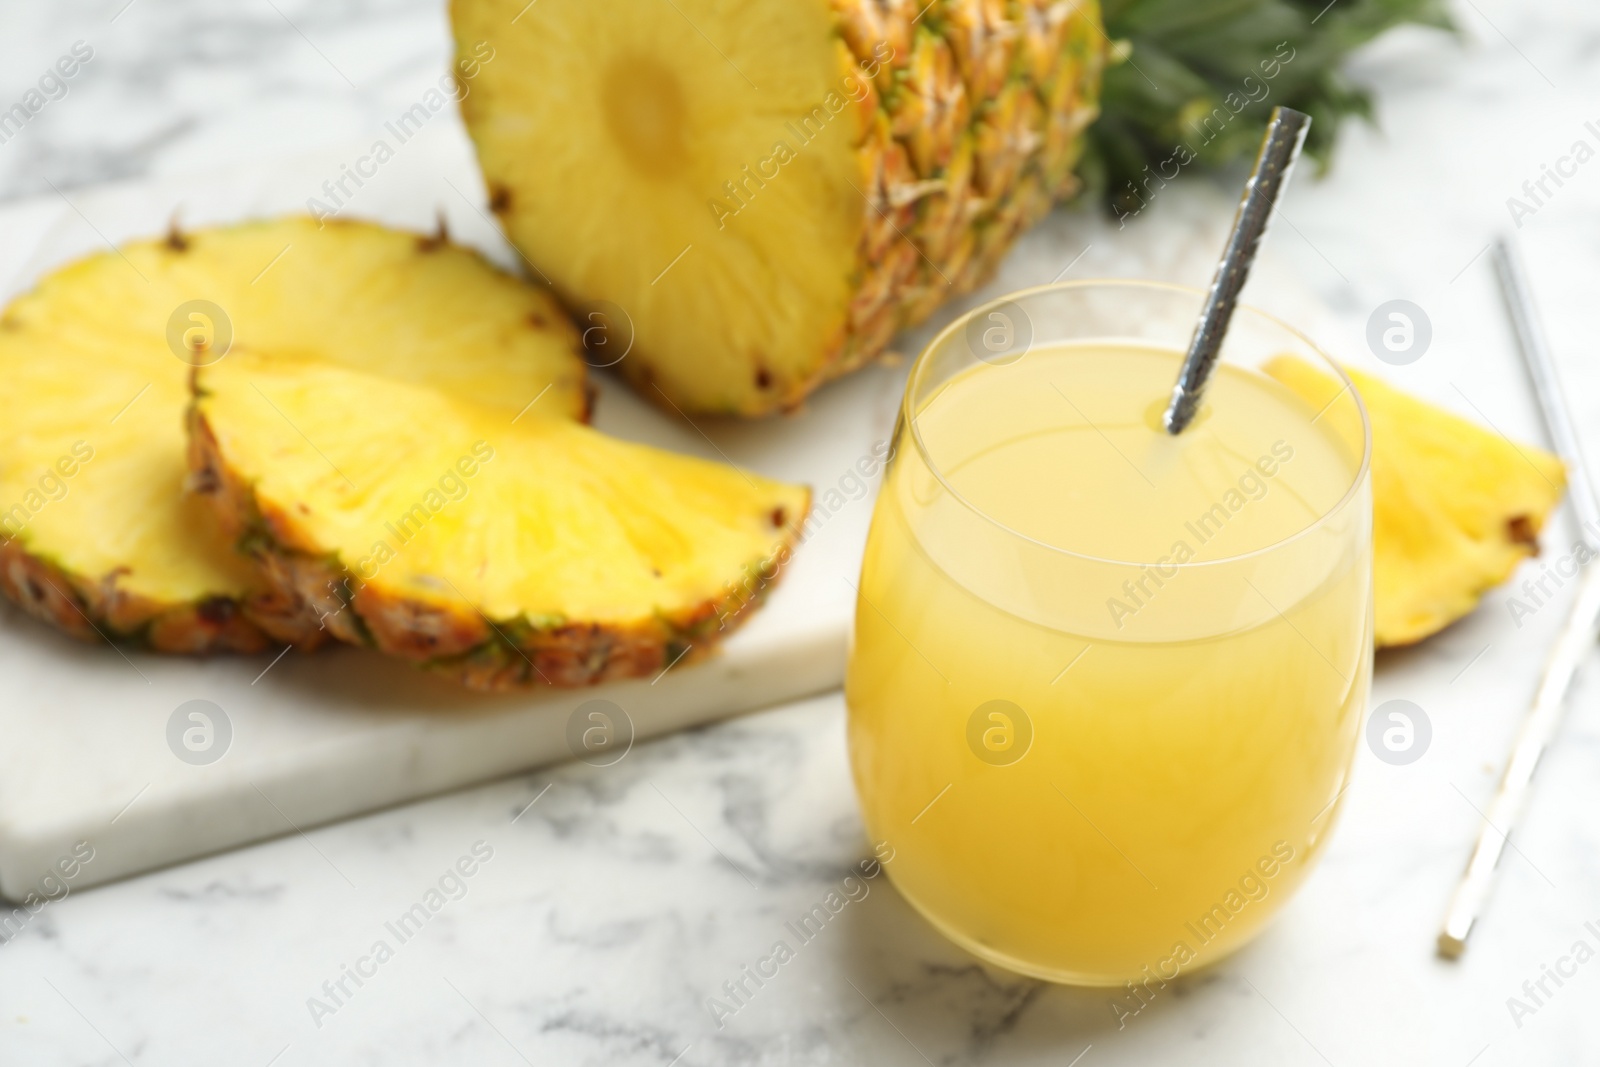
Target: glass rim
(959, 323)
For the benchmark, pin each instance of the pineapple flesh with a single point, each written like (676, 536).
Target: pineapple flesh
(769, 193)
(1455, 507)
(97, 532)
(502, 551)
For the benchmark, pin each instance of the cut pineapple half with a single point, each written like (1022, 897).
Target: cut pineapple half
(1455, 507)
(502, 551)
(769, 191)
(96, 533)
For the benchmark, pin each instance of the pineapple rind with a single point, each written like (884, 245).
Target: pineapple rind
(101, 610)
(975, 140)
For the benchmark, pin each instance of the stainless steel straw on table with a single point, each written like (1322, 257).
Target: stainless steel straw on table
(1286, 133)
(1577, 635)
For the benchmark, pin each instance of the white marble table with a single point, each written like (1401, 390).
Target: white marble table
(608, 911)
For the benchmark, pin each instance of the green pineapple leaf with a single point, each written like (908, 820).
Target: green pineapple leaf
(1201, 78)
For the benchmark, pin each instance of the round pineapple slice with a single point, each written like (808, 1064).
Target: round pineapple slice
(499, 550)
(97, 534)
(764, 193)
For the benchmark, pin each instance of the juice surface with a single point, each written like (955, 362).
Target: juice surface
(1106, 683)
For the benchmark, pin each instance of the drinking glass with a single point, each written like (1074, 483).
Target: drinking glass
(1105, 685)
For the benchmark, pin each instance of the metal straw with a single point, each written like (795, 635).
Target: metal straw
(1286, 132)
(1577, 635)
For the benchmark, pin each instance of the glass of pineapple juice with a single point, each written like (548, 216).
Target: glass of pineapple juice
(1105, 684)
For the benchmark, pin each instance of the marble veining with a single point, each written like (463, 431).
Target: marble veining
(620, 900)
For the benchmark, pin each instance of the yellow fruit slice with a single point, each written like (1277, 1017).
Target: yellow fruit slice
(96, 533)
(502, 551)
(1455, 506)
(768, 191)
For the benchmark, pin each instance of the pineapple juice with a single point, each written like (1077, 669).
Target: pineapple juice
(1106, 684)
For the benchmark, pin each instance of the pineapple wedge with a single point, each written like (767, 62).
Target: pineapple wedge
(97, 535)
(769, 191)
(1455, 507)
(502, 551)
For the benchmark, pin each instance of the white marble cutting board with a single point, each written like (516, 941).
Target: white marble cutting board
(86, 756)
(85, 753)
